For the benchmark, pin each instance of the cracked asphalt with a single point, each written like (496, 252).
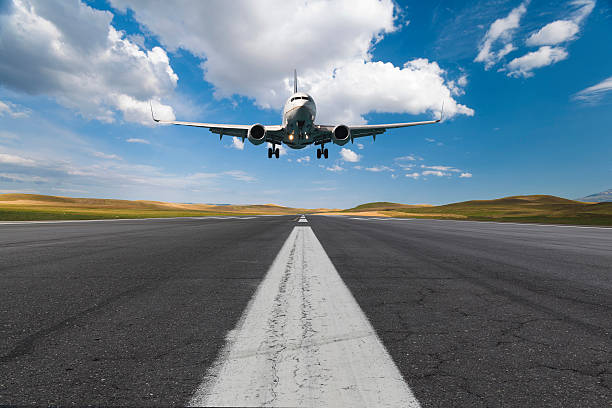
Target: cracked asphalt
(473, 314)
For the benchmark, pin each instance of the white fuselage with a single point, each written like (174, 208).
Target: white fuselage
(298, 120)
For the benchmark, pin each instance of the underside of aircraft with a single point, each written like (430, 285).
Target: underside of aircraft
(298, 128)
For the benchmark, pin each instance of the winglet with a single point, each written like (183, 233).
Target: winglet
(295, 81)
(441, 112)
(152, 115)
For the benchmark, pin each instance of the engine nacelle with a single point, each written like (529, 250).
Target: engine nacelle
(341, 135)
(257, 134)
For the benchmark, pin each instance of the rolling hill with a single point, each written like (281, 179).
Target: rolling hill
(43, 207)
(529, 208)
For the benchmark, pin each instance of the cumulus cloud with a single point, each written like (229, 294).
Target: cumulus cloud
(359, 146)
(237, 143)
(70, 51)
(305, 159)
(137, 140)
(595, 93)
(465, 175)
(545, 55)
(414, 175)
(248, 55)
(554, 33)
(500, 32)
(349, 156)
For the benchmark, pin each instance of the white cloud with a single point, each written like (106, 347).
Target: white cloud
(441, 168)
(106, 156)
(409, 157)
(554, 33)
(436, 173)
(377, 169)
(414, 175)
(465, 175)
(334, 168)
(136, 140)
(359, 146)
(305, 159)
(10, 109)
(22, 178)
(68, 50)
(501, 31)
(240, 175)
(594, 93)
(582, 9)
(17, 160)
(349, 156)
(248, 55)
(237, 143)
(545, 55)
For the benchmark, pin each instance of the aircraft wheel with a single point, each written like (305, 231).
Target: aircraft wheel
(277, 153)
(269, 153)
(325, 153)
(318, 153)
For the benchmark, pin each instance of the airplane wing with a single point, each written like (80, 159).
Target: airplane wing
(273, 133)
(323, 132)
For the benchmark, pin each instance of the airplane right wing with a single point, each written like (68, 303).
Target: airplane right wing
(274, 133)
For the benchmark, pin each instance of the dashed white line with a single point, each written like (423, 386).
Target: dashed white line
(303, 341)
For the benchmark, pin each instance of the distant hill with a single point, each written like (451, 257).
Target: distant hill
(43, 207)
(528, 208)
(603, 197)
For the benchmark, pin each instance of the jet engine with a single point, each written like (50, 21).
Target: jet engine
(257, 134)
(341, 134)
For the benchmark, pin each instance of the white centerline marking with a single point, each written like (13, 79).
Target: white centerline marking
(303, 341)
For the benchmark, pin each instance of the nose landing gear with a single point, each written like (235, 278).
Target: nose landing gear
(322, 152)
(273, 151)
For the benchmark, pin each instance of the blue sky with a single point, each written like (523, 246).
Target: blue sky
(527, 88)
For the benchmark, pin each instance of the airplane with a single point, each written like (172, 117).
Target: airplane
(298, 128)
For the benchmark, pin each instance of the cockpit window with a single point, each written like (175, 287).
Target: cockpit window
(300, 97)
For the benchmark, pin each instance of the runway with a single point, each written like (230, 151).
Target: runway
(323, 310)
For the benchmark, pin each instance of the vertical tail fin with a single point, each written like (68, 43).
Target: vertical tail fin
(295, 81)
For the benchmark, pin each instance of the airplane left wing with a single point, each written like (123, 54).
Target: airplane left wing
(371, 130)
(323, 132)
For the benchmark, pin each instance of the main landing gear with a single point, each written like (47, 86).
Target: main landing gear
(273, 151)
(322, 152)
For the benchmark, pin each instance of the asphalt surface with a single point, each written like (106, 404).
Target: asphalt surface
(472, 314)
